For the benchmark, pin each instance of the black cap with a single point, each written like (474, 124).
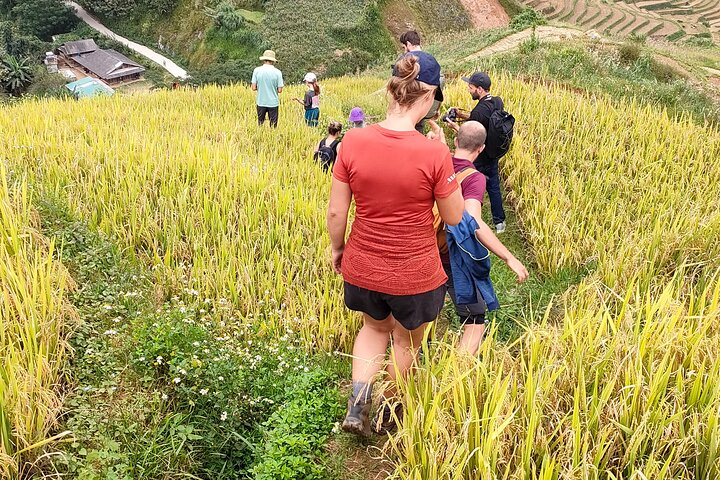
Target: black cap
(429, 68)
(479, 79)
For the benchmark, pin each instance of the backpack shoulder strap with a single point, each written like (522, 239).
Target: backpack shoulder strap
(494, 102)
(463, 174)
(334, 143)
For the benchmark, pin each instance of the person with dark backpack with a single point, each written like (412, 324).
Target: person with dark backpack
(490, 112)
(326, 151)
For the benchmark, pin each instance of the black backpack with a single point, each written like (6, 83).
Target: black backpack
(326, 154)
(500, 133)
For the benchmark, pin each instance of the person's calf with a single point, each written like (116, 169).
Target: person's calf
(471, 338)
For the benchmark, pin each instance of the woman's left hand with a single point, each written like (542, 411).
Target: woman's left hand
(337, 255)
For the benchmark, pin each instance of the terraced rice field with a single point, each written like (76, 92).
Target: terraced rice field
(652, 18)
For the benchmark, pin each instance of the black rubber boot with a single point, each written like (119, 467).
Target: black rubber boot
(357, 419)
(387, 418)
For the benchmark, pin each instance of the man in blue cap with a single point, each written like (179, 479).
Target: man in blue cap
(479, 88)
(411, 43)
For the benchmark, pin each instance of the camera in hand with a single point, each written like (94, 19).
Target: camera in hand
(450, 116)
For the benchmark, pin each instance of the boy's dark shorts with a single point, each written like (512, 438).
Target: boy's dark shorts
(410, 310)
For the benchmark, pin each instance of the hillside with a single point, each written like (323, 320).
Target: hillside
(666, 19)
(221, 39)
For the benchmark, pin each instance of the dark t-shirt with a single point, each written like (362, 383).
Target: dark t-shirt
(481, 113)
(325, 141)
(310, 100)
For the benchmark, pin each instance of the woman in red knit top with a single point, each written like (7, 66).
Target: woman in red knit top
(390, 264)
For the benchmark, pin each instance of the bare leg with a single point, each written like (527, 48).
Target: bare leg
(405, 347)
(370, 347)
(368, 358)
(471, 338)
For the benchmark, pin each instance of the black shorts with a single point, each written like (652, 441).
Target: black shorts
(410, 310)
(471, 314)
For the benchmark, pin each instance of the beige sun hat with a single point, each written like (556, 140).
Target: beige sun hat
(268, 55)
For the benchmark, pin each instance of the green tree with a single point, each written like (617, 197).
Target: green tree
(19, 44)
(43, 18)
(15, 74)
(162, 6)
(526, 19)
(45, 84)
(111, 8)
(226, 16)
(6, 6)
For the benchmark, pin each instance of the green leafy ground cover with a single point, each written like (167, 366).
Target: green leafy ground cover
(178, 386)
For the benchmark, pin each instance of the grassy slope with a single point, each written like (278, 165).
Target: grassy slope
(441, 16)
(337, 38)
(598, 67)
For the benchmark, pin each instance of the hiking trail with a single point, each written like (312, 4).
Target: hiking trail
(174, 70)
(543, 33)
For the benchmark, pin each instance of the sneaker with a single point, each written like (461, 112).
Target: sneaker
(387, 418)
(500, 227)
(357, 419)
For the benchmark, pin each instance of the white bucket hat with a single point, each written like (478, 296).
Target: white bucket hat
(310, 77)
(268, 55)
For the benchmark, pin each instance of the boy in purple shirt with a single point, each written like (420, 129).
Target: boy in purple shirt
(469, 142)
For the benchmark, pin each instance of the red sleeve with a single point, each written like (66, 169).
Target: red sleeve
(340, 169)
(445, 183)
(473, 187)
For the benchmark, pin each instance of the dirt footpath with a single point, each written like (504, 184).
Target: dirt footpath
(547, 34)
(486, 14)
